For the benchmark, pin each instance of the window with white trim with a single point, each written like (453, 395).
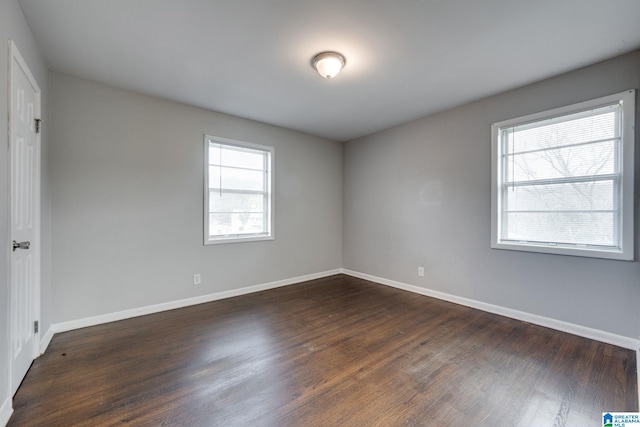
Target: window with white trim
(238, 196)
(562, 180)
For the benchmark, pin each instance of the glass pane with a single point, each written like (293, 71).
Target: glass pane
(236, 179)
(233, 202)
(574, 161)
(214, 177)
(586, 196)
(561, 227)
(214, 154)
(575, 128)
(221, 224)
(228, 155)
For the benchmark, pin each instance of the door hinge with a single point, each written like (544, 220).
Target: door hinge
(36, 327)
(38, 123)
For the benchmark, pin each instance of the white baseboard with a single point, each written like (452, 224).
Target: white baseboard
(171, 305)
(583, 331)
(46, 340)
(5, 411)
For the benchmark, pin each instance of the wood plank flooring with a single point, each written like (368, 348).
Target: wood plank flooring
(338, 351)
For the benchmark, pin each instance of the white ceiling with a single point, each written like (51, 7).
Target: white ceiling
(405, 58)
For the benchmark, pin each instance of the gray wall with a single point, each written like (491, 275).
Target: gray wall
(419, 195)
(127, 185)
(14, 26)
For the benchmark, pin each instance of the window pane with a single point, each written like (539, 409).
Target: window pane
(234, 202)
(563, 180)
(236, 179)
(597, 195)
(570, 129)
(238, 191)
(221, 224)
(562, 227)
(574, 161)
(214, 154)
(236, 157)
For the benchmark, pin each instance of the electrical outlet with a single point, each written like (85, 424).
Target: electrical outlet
(196, 279)
(421, 271)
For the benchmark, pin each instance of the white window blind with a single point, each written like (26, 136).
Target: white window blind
(563, 180)
(238, 191)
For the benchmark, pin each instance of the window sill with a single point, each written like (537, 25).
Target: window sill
(565, 250)
(223, 240)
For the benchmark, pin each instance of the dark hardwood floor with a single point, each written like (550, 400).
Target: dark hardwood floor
(337, 351)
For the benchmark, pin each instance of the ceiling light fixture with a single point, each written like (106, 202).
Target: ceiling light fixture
(328, 64)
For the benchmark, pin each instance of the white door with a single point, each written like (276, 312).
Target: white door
(24, 204)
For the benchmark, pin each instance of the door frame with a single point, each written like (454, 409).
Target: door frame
(16, 59)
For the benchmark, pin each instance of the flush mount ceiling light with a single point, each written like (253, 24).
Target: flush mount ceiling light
(328, 64)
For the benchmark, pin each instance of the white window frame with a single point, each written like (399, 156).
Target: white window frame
(625, 251)
(267, 193)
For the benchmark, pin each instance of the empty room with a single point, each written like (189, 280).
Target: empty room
(319, 213)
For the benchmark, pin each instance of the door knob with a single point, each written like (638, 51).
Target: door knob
(21, 245)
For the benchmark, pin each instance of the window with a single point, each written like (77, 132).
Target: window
(562, 180)
(238, 205)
